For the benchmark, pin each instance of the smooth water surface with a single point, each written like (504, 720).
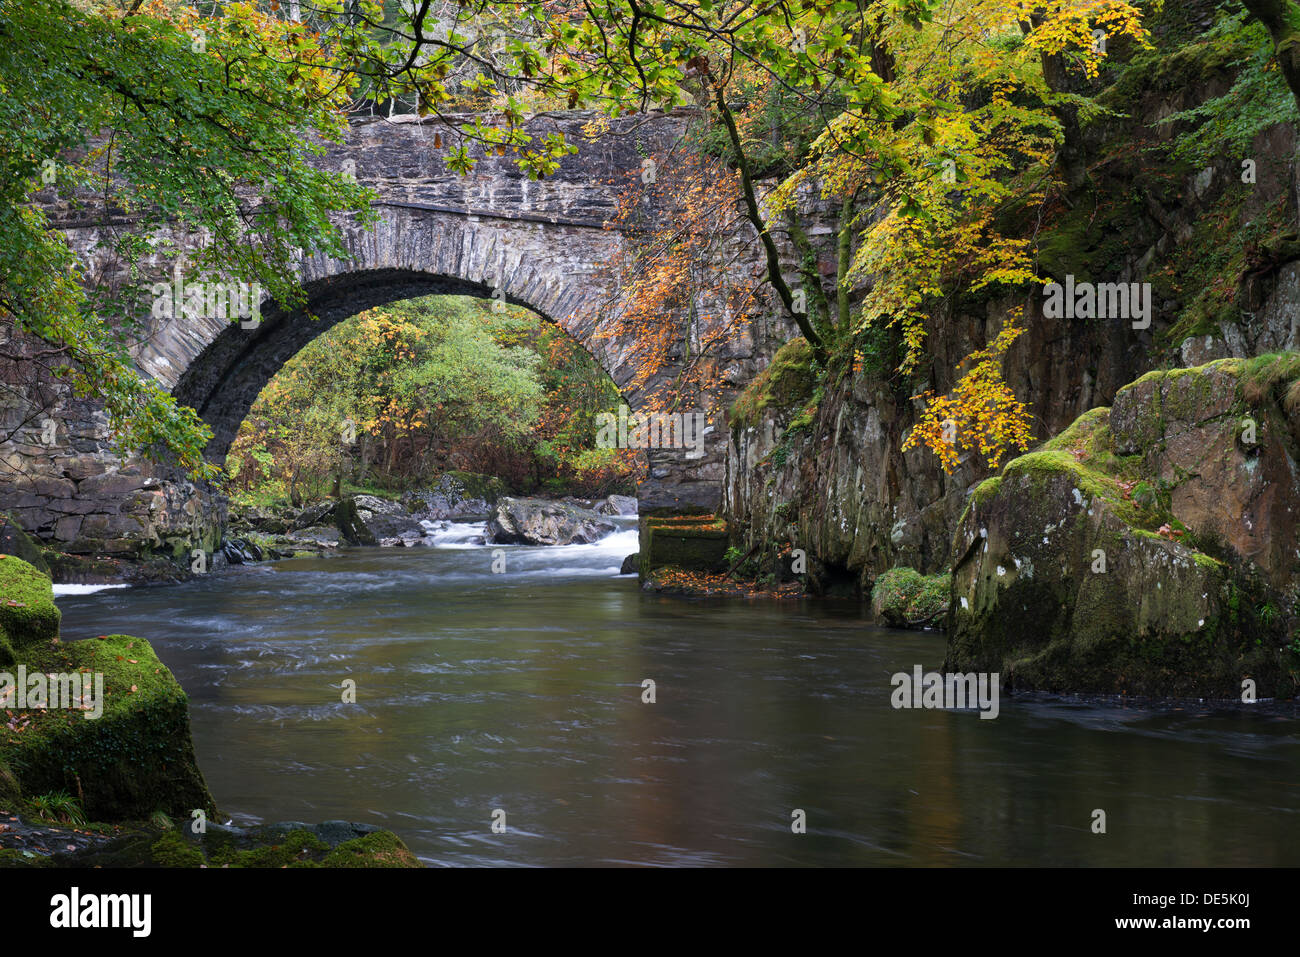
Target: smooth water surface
(522, 691)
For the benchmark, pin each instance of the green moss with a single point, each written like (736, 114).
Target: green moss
(13, 857)
(1091, 482)
(28, 615)
(788, 380)
(172, 850)
(1205, 272)
(986, 489)
(695, 542)
(300, 848)
(15, 541)
(1083, 432)
(11, 793)
(932, 599)
(1091, 240)
(1179, 66)
(1261, 375)
(905, 597)
(136, 758)
(265, 847)
(380, 849)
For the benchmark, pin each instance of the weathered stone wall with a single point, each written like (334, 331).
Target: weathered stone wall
(75, 491)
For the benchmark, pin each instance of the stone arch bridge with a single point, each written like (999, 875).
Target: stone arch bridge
(541, 244)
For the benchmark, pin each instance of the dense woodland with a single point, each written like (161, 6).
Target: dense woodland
(389, 399)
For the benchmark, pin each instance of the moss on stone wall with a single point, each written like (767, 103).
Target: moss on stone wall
(787, 383)
(691, 542)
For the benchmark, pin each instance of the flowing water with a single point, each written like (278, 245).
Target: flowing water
(522, 692)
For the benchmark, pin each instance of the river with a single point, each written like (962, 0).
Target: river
(521, 692)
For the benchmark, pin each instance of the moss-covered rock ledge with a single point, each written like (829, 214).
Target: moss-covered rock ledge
(333, 844)
(1149, 549)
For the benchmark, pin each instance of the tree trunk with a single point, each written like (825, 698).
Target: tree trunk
(760, 225)
(1056, 74)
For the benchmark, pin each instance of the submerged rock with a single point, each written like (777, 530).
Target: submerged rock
(535, 521)
(1132, 553)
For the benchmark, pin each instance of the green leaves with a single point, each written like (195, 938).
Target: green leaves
(182, 133)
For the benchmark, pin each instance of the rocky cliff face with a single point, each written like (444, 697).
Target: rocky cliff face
(824, 471)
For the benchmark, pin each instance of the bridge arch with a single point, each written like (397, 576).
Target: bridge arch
(542, 244)
(219, 367)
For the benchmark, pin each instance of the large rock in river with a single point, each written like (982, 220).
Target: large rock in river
(457, 496)
(617, 505)
(370, 520)
(1148, 549)
(535, 521)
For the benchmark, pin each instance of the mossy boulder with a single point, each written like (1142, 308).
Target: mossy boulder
(905, 598)
(28, 615)
(1120, 556)
(380, 849)
(1219, 442)
(136, 756)
(172, 850)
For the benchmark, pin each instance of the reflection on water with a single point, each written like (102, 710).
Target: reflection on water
(522, 691)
